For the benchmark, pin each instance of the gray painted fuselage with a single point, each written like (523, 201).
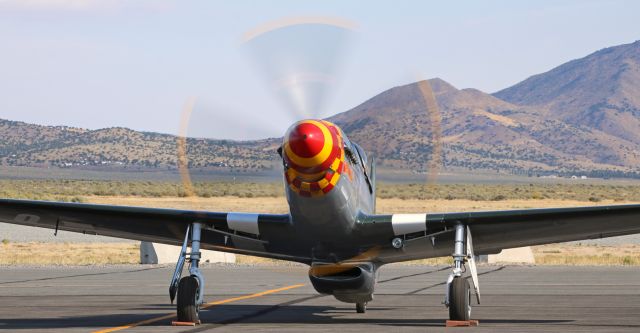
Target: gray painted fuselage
(328, 222)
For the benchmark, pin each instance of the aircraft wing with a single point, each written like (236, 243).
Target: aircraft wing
(244, 233)
(431, 235)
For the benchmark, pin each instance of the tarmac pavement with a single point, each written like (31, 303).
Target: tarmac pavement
(280, 299)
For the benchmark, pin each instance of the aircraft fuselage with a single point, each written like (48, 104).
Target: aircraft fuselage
(327, 184)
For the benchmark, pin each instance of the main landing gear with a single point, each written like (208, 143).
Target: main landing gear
(458, 292)
(190, 288)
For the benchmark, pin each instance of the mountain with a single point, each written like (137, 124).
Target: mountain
(581, 117)
(479, 131)
(600, 91)
(23, 144)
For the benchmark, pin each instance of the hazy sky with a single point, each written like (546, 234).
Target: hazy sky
(133, 63)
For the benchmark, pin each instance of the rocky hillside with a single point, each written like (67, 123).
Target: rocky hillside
(480, 131)
(24, 144)
(600, 91)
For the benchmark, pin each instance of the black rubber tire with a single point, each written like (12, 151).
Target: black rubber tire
(187, 306)
(361, 307)
(459, 299)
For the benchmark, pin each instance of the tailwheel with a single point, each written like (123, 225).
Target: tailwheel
(459, 299)
(361, 307)
(188, 306)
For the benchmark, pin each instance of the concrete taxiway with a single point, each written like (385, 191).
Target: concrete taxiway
(280, 299)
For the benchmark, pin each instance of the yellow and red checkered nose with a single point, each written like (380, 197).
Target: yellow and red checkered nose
(315, 158)
(311, 146)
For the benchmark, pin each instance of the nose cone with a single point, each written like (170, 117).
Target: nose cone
(306, 140)
(311, 146)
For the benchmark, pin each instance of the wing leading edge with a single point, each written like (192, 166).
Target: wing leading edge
(245, 233)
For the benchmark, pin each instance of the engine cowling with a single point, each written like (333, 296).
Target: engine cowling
(347, 283)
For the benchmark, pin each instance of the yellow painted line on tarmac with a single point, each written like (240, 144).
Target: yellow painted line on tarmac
(206, 305)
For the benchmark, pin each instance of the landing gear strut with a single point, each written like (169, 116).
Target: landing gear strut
(458, 292)
(190, 288)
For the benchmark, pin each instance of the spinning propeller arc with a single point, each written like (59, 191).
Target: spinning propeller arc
(299, 59)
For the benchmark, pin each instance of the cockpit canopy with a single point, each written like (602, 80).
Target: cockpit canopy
(362, 155)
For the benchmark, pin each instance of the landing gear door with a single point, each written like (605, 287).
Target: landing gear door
(472, 265)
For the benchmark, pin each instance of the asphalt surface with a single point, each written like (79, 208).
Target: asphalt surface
(280, 299)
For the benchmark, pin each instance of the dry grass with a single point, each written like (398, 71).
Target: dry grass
(394, 205)
(385, 206)
(219, 204)
(68, 253)
(432, 261)
(75, 190)
(251, 260)
(576, 255)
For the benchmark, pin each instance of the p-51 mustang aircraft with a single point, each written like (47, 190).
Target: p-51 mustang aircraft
(331, 226)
